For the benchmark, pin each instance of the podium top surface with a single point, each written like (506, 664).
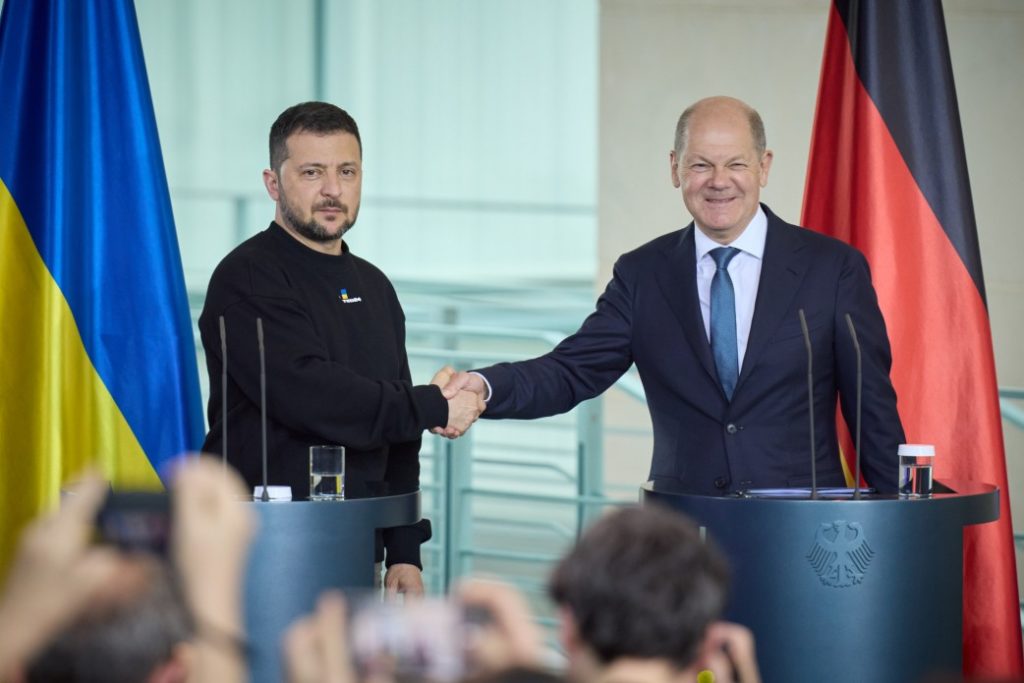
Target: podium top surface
(972, 502)
(378, 512)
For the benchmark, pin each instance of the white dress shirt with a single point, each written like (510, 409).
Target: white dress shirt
(744, 270)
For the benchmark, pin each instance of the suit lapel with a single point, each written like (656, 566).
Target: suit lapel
(678, 282)
(782, 271)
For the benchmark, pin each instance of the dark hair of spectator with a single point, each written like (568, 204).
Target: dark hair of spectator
(319, 118)
(123, 641)
(641, 583)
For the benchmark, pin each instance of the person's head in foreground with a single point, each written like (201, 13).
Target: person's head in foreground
(140, 634)
(639, 595)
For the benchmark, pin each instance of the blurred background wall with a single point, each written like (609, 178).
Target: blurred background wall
(478, 122)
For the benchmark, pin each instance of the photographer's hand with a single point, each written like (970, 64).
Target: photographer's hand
(55, 574)
(509, 638)
(212, 531)
(728, 653)
(316, 646)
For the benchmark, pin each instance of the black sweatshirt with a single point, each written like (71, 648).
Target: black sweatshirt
(336, 368)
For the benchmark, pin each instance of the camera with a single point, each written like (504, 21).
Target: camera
(135, 521)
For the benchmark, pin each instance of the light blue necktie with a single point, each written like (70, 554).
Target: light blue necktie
(723, 320)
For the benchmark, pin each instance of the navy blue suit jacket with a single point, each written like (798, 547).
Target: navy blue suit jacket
(703, 443)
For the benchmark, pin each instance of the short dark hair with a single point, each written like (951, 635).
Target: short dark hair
(753, 118)
(642, 583)
(122, 641)
(320, 118)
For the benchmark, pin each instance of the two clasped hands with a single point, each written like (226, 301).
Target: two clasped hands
(465, 393)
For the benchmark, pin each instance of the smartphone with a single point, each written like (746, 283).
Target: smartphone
(424, 640)
(136, 521)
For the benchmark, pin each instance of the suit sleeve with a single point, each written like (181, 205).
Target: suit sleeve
(312, 394)
(582, 366)
(881, 429)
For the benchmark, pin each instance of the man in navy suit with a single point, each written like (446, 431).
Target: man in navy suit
(709, 314)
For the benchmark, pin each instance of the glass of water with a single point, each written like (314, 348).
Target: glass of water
(916, 469)
(327, 473)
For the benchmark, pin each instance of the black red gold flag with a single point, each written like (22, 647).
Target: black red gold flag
(888, 174)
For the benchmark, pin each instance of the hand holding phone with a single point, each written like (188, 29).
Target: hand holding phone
(419, 640)
(135, 521)
(505, 634)
(55, 573)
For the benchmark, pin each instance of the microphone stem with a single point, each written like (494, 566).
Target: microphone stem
(810, 402)
(860, 379)
(263, 405)
(223, 394)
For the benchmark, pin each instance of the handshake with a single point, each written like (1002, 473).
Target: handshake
(465, 394)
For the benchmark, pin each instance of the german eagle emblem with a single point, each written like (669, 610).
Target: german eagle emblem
(840, 555)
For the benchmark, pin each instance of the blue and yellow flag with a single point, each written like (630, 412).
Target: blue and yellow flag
(97, 361)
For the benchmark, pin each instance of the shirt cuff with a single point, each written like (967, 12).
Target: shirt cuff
(486, 384)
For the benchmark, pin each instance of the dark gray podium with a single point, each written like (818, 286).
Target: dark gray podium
(845, 590)
(303, 548)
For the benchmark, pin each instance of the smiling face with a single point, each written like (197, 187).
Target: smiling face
(720, 169)
(318, 188)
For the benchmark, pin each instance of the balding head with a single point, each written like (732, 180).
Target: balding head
(720, 106)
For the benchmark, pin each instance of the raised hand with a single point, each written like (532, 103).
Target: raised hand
(210, 544)
(728, 653)
(508, 637)
(212, 532)
(55, 574)
(316, 646)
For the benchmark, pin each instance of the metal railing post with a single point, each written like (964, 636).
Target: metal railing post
(590, 458)
(458, 509)
(447, 540)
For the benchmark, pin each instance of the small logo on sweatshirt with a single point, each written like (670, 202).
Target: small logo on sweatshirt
(346, 299)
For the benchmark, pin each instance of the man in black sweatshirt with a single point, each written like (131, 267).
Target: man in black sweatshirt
(336, 365)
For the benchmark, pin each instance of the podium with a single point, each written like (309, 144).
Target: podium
(303, 548)
(837, 589)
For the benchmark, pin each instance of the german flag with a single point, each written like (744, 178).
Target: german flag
(888, 174)
(97, 361)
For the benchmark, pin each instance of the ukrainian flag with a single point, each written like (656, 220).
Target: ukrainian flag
(97, 361)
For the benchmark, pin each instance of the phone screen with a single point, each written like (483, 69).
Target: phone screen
(135, 521)
(421, 640)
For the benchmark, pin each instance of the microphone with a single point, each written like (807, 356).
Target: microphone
(263, 405)
(810, 403)
(860, 381)
(223, 394)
